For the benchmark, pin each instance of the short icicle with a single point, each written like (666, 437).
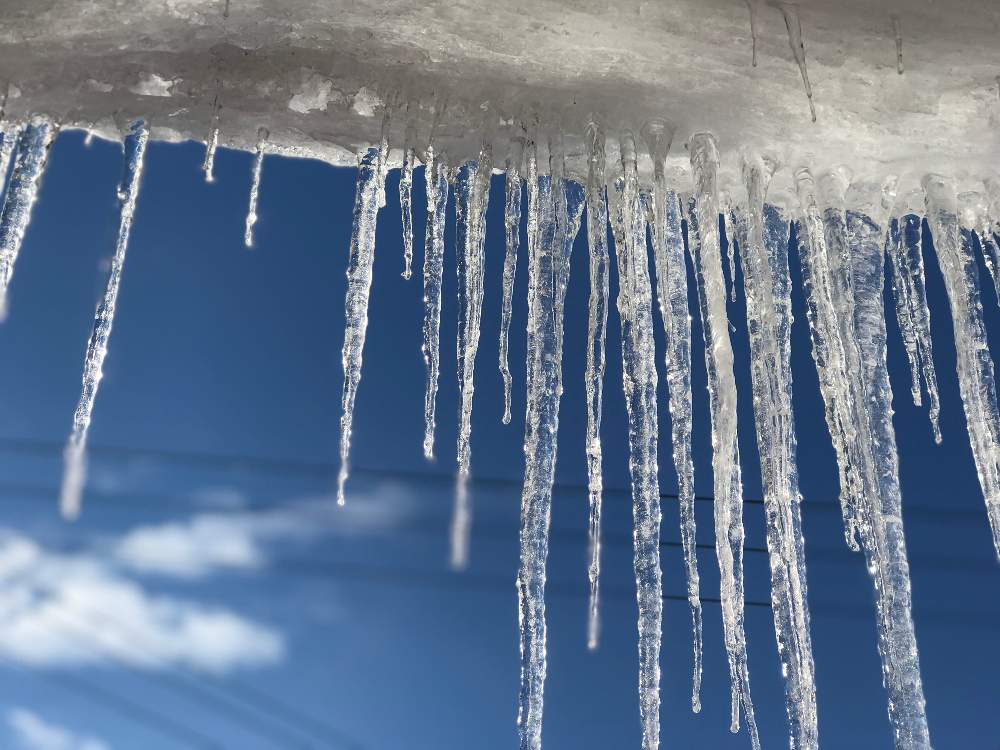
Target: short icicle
(406, 197)
(512, 225)
(764, 258)
(897, 33)
(75, 453)
(258, 163)
(790, 12)
(635, 299)
(672, 294)
(912, 312)
(976, 379)
(360, 261)
(544, 382)
(472, 195)
(8, 141)
(728, 506)
(436, 176)
(597, 325)
(19, 198)
(208, 166)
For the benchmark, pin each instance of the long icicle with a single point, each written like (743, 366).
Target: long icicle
(436, 176)
(74, 456)
(360, 261)
(764, 257)
(258, 164)
(912, 312)
(406, 196)
(728, 505)
(856, 391)
(544, 366)
(976, 380)
(512, 224)
(976, 216)
(635, 299)
(19, 198)
(597, 325)
(471, 202)
(672, 294)
(854, 233)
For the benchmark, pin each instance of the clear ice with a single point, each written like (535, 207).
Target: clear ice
(75, 458)
(597, 326)
(635, 298)
(512, 223)
(548, 265)
(976, 380)
(436, 176)
(912, 313)
(258, 164)
(472, 195)
(763, 246)
(19, 198)
(360, 261)
(704, 241)
(672, 295)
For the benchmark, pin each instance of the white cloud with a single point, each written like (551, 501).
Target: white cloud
(210, 542)
(59, 610)
(32, 732)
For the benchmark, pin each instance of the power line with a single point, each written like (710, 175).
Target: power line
(191, 688)
(327, 471)
(130, 709)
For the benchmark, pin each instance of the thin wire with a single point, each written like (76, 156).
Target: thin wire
(130, 709)
(327, 470)
(190, 689)
(325, 732)
(449, 580)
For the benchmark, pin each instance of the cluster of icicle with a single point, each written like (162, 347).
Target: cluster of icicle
(845, 230)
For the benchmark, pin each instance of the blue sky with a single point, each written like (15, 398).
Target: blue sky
(212, 596)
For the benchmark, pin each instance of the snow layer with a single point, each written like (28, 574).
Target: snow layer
(315, 73)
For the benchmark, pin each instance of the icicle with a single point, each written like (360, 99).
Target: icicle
(639, 378)
(258, 163)
(672, 294)
(360, 260)
(975, 365)
(8, 140)
(975, 215)
(19, 198)
(754, 6)
(790, 11)
(597, 242)
(208, 166)
(912, 313)
(383, 153)
(880, 516)
(512, 223)
(544, 365)
(74, 456)
(436, 176)
(764, 258)
(828, 269)
(406, 197)
(728, 505)
(897, 32)
(472, 195)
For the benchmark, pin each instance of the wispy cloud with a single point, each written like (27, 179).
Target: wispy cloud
(238, 540)
(32, 732)
(64, 610)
